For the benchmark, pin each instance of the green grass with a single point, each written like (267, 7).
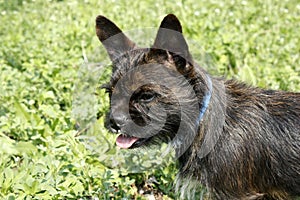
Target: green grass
(47, 93)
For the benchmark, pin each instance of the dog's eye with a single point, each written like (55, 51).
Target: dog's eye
(146, 97)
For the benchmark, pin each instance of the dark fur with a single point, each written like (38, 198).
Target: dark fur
(258, 153)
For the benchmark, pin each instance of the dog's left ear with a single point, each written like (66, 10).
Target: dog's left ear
(113, 39)
(170, 38)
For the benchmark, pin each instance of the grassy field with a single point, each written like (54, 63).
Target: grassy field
(52, 141)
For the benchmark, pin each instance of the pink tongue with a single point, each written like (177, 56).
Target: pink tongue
(125, 141)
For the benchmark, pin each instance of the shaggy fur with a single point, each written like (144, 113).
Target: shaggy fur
(257, 153)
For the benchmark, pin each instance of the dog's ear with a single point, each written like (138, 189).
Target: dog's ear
(113, 39)
(170, 38)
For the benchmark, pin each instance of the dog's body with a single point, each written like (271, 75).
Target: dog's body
(256, 149)
(258, 154)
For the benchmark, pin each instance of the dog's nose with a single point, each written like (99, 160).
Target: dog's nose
(117, 122)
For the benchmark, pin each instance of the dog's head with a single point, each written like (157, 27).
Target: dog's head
(156, 93)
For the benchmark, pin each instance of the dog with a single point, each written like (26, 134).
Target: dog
(238, 141)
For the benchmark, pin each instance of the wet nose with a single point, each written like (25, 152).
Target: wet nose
(117, 122)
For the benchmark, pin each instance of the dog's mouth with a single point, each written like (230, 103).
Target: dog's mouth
(125, 141)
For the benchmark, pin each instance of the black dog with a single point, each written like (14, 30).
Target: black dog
(240, 142)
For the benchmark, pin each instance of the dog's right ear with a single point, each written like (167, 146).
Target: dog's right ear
(114, 40)
(170, 38)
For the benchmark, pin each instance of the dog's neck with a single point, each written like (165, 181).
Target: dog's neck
(202, 110)
(210, 123)
(205, 101)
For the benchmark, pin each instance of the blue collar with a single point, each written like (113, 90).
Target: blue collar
(205, 101)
